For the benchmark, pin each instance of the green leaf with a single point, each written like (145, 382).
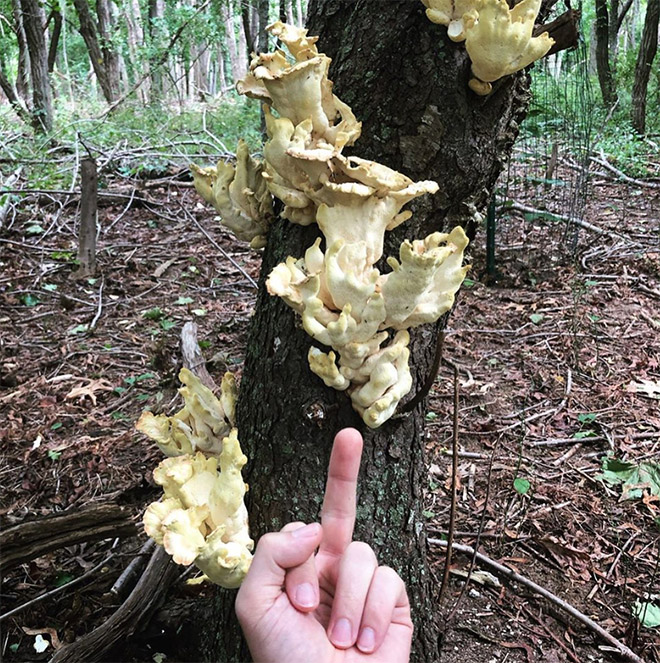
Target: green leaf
(468, 283)
(155, 313)
(199, 312)
(50, 287)
(13, 648)
(428, 514)
(119, 390)
(521, 486)
(580, 435)
(536, 317)
(62, 579)
(29, 300)
(145, 376)
(587, 418)
(79, 329)
(57, 425)
(204, 345)
(182, 301)
(167, 324)
(119, 416)
(647, 613)
(634, 479)
(591, 283)
(143, 397)
(54, 455)
(34, 229)
(431, 416)
(62, 255)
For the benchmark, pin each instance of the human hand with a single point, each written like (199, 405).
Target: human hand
(338, 605)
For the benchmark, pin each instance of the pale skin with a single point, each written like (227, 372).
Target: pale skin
(336, 605)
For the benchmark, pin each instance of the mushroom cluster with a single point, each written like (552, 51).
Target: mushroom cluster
(202, 519)
(345, 303)
(498, 39)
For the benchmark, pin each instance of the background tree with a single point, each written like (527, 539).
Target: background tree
(408, 84)
(34, 21)
(102, 55)
(647, 51)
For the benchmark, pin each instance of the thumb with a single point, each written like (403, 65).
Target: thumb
(276, 553)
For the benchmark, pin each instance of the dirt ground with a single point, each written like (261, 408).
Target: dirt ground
(547, 351)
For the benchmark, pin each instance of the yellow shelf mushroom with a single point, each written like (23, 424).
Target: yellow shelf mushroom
(202, 519)
(498, 40)
(345, 303)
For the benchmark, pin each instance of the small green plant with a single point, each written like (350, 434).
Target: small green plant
(521, 486)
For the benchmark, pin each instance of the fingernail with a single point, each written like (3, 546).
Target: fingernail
(307, 531)
(305, 595)
(367, 640)
(342, 633)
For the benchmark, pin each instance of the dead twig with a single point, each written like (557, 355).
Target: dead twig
(622, 649)
(57, 590)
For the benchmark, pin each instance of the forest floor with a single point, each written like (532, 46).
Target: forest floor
(552, 355)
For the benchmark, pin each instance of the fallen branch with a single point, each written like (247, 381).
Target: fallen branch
(130, 617)
(57, 590)
(29, 540)
(525, 209)
(154, 583)
(602, 161)
(193, 359)
(505, 571)
(9, 182)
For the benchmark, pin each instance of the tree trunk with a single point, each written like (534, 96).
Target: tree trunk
(110, 55)
(88, 217)
(42, 97)
(248, 27)
(605, 77)
(156, 12)
(140, 65)
(23, 75)
(12, 97)
(262, 36)
(409, 88)
(54, 38)
(647, 51)
(89, 33)
(235, 47)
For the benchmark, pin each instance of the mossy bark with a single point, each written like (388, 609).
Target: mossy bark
(408, 84)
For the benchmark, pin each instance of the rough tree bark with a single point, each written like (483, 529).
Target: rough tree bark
(54, 38)
(34, 22)
(88, 218)
(23, 74)
(156, 12)
(605, 76)
(106, 21)
(12, 98)
(408, 84)
(89, 33)
(645, 57)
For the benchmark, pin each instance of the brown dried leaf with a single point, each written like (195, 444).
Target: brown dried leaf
(89, 390)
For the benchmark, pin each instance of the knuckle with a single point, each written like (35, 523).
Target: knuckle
(291, 527)
(361, 550)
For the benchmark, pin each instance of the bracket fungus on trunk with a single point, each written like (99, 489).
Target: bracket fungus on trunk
(202, 519)
(497, 38)
(345, 302)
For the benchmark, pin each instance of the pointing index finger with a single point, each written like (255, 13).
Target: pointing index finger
(338, 513)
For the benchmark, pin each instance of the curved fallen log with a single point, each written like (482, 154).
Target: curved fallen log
(34, 538)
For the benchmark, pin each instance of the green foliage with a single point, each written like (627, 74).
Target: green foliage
(521, 486)
(647, 613)
(634, 478)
